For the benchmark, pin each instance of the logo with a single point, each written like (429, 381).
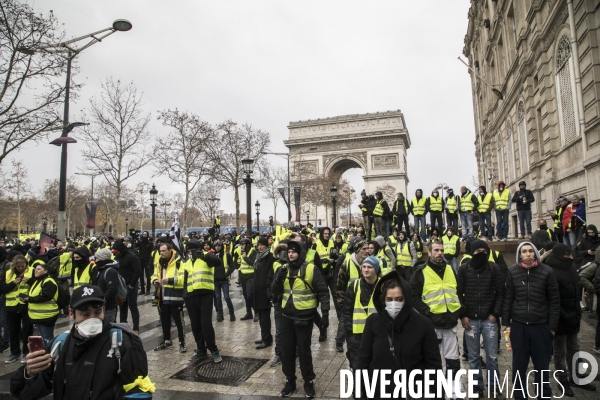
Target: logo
(584, 363)
(88, 291)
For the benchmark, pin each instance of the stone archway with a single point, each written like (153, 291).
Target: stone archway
(376, 143)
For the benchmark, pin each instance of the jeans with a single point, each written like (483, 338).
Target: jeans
(224, 286)
(489, 331)
(110, 315)
(248, 293)
(453, 261)
(501, 223)
(46, 332)
(388, 223)
(466, 220)
(420, 226)
(131, 303)
(485, 225)
(524, 218)
(3, 322)
(145, 282)
(573, 237)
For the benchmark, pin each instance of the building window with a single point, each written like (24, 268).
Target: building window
(501, 166)
(523, 144)
(565, 88)
(510, 151)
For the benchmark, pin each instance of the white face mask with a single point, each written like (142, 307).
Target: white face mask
(128, 245)
(393, 308)
(89, 328)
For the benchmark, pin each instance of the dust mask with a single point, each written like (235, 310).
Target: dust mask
(89, 328)
(393, 308)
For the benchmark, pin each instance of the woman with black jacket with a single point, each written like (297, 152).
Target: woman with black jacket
(42, 307)
(222, 277)
(106, 277)
(413, 336)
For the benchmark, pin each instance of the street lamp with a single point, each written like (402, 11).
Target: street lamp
(153, 193)
(257, 205)
(442, 186)
(247, 164)
(120, 25)
(307, 211)
(45, 222)
(53, 226)
(333, 192)
(126, 225)
(28, 229)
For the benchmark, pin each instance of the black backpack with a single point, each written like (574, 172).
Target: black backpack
(64, 297)
(52, 267)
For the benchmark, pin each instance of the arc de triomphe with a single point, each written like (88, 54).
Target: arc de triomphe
(375, 142)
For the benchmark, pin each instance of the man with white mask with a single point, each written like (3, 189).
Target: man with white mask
(119, 367)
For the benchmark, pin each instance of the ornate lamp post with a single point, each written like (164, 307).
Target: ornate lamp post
(257, 205)
(153, 194)
(53, 227)
(333, 192)
(247, 165)
(45, 222)
(126, 225)
(307, 212)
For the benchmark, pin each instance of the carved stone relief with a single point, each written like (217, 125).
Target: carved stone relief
(384, 161)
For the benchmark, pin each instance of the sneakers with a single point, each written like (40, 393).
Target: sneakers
(12, 358)
(163, 345)
(182, 348)
(309, 389)
(246, 317)
(199, 354)
(339, 347)
(220, 318)
(4, 347)
(263, 345)
(24, 361)
(216, 356)
(259, 341)
(275, 361)
(288, 389)
(232, 317)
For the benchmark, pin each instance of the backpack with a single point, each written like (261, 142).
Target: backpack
(64, 297)
(52, 267)
(121, 295)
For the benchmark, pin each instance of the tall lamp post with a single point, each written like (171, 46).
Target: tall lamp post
(352, 191)
(333, 192)
(45, 222)
(120, 25)
(247, 165)
(442, 187)
(153, 193)
(307, 212)
(126, 225)
(53, 227)
(257, 205)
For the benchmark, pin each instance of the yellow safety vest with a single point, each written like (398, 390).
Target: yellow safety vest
(557, 220)
(200, 275)
(378, 211)
(403, 256)
(440, 295)
(245, 268)
(300, 294)
(484, 203)
(171, 292)
(66, 265)
(352, 271)
(501, 200)
(360, 314)
(451, 205)
(12, 297)
(449, 244)
(398, 204)
(384, 262)
(392, 239)
(84, 279)
(324, 251)
(217, 221)
(225, 264)
(435, 205)
(47, 309)
(310, 256)
(466, 204)
(418, 206)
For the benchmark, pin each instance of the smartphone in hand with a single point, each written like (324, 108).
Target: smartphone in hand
(36, 343)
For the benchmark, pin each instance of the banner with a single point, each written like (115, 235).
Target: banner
(25, 236)
(297, 192)
(90, 212)
(45, 242)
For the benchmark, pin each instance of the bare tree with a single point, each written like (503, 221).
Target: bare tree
(76, 198)
(181, 154)
(203, 198)
(19, 187)
(117, 137)
(30, 95)
(230, 145)
(269, 181)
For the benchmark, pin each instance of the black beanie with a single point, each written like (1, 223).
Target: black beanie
(119, 246)
(549, 245)
(479, 244)
(562, 250)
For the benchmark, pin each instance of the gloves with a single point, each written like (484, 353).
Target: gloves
(325, 320)
(199, 254)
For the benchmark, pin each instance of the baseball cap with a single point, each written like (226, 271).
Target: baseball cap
(86, 294)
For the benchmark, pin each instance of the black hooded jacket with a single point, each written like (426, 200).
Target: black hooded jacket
(528, 194)
(480, 290)
(129, 264)
(585, 244)
(568, 283)
(413, 337)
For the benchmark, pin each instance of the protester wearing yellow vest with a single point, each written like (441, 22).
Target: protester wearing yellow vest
(280, 254)
(484, 208)
(419, 210)
(200, 287)
(434, 295)
(218, 225)
(263, 267)
(243, 258)
(502, 207)
(222, 277)
(451, 243)
(406, 256)
(452, 208)
(83, 270)
(401, 210)
(384, 253)
(43, 309)
(169, 279)
(302, 287)
(16, 286)
(468, 204)
(358, 305)
(380, 213)
(435, 206)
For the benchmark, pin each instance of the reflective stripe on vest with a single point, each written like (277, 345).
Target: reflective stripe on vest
(360, 314)
(323, 251)
(245, 268)
(418, 206)
(171, 292)
(440, 295)
(501, 200)
(435, 204)
(451, 205)
(378, 211)
(83, 279)
(47, 309)
(200, 275)
(557, 220)
(466, 202)
(301, 295)
(384, 262)
(12, 297)
(66, 264)
(449, 244)
(352, 271)
(403, 256)
(484, 203)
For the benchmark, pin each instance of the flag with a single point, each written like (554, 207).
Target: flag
(90, 211)
(175, 234)
(45, 242)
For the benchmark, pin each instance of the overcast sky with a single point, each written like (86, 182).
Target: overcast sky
(272, 62)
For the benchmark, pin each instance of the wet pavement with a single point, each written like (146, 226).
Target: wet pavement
(176, 376)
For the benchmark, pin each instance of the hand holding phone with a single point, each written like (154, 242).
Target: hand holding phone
(36, 343)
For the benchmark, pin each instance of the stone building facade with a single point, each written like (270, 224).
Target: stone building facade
(543, 56)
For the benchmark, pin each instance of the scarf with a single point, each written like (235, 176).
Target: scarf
(260, 256)
(529, 263)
